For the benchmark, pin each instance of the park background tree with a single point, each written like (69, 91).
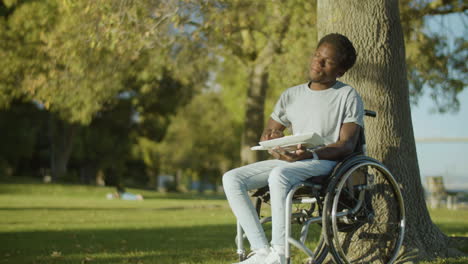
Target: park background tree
(250, 37)
(77, 61)
(201, 143)
(380, 76)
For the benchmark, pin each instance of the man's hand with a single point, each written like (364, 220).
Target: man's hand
(270, 133)
(289, 155)
(273, 130)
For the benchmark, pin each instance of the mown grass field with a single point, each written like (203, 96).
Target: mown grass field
(48, 223)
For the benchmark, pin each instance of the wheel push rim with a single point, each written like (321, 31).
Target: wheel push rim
(400, 225)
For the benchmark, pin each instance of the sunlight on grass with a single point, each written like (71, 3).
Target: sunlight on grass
(76, 224)
(72, 224)
(453, 222)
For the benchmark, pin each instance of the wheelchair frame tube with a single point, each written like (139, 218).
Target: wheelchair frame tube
(305, 227)
(301, 246)
(288, 212)
(240, 242)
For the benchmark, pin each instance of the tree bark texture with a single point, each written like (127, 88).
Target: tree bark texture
(380, 77)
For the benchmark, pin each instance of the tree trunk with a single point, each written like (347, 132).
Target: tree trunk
(61, 137)
(153, 175)
(178, 180)
(257, 88)
(254, 114)
(380, 77)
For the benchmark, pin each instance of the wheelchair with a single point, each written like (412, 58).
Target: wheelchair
(358, 207)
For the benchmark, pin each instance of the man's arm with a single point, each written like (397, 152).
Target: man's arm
(272, 130)
(349, 135)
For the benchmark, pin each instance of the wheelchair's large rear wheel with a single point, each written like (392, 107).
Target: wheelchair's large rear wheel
(364, 216)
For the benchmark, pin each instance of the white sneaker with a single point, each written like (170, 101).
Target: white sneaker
(275, 258)
(258, 257)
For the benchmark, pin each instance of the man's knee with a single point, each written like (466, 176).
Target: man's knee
(231, 180)
(278, 177)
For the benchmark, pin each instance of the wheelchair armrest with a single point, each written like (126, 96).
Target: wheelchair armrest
(370, 113)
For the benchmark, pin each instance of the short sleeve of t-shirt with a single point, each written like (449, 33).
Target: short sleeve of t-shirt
(354, 112)
(279, 112)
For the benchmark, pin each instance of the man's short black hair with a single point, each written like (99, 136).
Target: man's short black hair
(344, 46)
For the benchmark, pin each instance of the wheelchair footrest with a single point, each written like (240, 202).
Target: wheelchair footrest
(305, 200)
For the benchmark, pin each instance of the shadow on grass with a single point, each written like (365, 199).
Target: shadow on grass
(69, 189)
(199, 244)
(184, 196)
(127, 209)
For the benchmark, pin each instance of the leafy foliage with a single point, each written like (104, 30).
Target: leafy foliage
(434, 61)
(114, 67)
(202, 137)
(138, 82)
(240, 31)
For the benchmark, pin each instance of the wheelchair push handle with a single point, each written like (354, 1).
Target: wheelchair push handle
(370, 113)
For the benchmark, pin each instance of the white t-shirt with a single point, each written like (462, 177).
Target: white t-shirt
(304, 110)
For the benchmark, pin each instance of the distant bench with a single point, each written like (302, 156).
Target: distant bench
(438, 195)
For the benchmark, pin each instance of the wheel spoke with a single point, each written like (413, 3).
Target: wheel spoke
(372, 230)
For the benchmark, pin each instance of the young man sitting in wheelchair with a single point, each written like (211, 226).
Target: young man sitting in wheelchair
(328, 107)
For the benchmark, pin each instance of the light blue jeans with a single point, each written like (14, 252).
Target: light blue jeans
(280, 176)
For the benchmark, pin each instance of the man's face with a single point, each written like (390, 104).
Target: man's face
(325, 65)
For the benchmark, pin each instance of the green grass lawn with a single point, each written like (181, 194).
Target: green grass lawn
(42, 223)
